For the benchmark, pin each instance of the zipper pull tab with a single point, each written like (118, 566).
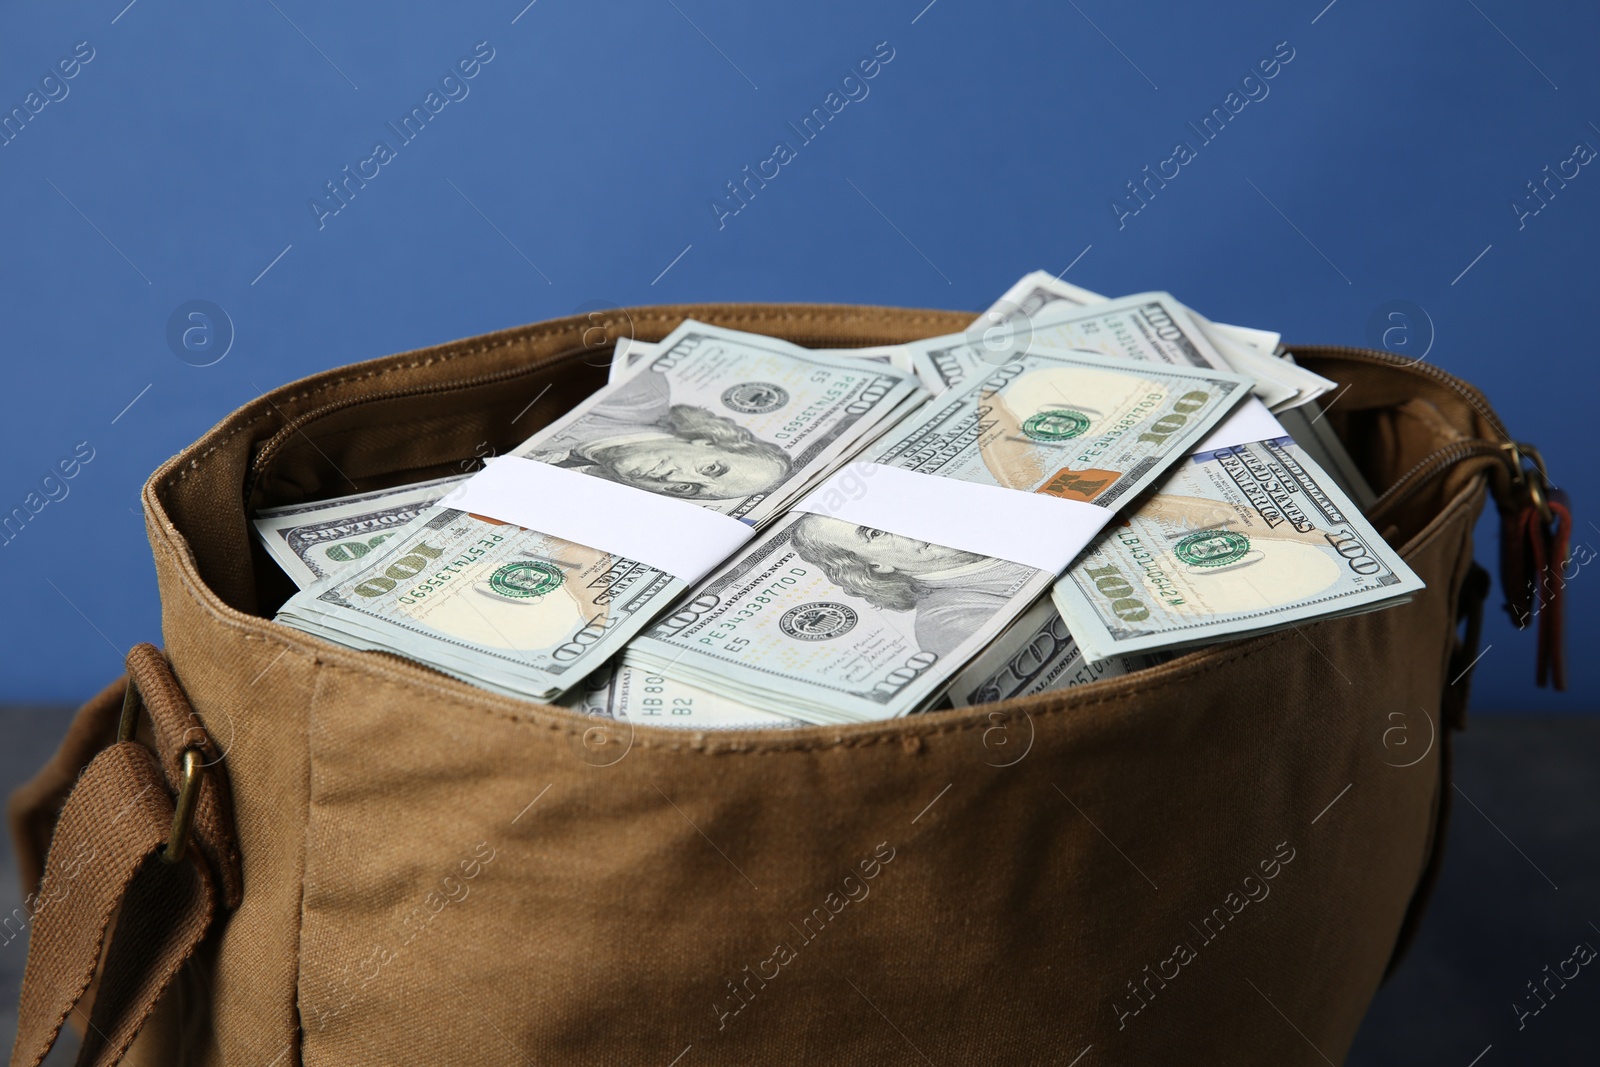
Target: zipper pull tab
(1535, 540)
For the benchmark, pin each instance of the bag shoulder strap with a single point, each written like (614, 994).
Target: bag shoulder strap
(141, 852)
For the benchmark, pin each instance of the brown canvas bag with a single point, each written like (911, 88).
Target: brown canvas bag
(1214, 860)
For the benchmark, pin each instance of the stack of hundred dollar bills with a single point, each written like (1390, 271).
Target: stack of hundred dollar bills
(1225, 514)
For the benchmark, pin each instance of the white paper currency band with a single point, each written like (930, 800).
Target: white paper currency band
(1251, 423)
(1040, 531)
(683, 539)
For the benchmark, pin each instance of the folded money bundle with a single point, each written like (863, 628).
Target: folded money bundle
(733, 423)
(1068, 490)
(864, 601)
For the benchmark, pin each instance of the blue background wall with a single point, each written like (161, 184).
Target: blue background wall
(182, 160)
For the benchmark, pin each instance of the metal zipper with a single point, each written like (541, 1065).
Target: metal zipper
(1430, 467)
(1426, 370)
(1440, 460)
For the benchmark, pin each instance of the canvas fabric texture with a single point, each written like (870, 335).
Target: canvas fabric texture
(1213, 860)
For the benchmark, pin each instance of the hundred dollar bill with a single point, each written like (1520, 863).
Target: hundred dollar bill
(736, 423)
(622, 691)
(1236, 541)
(830, 621)
(1073, 424)
(804, 623)
(1281, 384)
(1280, 370)
(1313, 434)
(1275, 378)
(313, 541)
(628, 352)
(1150, 327)
(513, 610)
(1037, 294)
(897, 356)
(1036, 654)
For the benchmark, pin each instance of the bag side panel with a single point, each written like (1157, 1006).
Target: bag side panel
(1176, 859)
(253, 694)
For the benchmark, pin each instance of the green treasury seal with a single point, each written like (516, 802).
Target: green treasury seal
(526, 578)
(1212, 548)
(1056, 424)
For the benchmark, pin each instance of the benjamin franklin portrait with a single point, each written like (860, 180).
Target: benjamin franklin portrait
(639, 437)
(953, 592)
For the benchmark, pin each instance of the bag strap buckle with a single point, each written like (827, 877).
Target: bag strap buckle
(193, 768)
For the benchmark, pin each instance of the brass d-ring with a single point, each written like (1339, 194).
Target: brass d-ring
(1534, 476)
(128, 725)
(1536, 494)
(183, 810)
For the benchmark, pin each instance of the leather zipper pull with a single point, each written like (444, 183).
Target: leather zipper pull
(1552, 541)
(1516, 564)
(1535, 541)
